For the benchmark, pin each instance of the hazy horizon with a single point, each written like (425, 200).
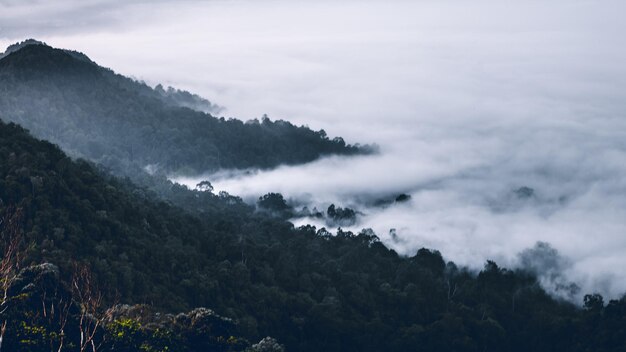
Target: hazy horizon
(468, 101)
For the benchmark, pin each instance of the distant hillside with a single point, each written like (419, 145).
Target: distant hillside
(64, 97)
(311, 290)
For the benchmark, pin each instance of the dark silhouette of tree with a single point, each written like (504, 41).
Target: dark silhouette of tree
(205, 186)
(273, 202)
(594, 302)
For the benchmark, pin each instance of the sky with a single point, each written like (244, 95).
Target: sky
(468, 101)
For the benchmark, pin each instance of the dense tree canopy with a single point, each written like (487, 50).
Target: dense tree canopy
(311, 290)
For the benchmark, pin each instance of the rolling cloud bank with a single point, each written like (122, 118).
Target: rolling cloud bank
(504, 121)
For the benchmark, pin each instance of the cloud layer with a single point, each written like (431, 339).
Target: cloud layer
(469, 101)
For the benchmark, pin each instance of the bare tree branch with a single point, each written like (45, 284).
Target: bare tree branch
(86, 294)
(12, 256)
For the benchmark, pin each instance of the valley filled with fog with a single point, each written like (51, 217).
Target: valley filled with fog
(469, 102)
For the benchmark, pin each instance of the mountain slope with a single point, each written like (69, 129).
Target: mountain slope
(311, 290)
(91, 112)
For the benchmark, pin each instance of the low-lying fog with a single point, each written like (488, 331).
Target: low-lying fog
(469, 101)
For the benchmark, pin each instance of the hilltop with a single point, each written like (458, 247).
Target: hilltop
(92, 112)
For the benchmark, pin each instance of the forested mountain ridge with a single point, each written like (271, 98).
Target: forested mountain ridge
(64, 97)
(312, 290)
